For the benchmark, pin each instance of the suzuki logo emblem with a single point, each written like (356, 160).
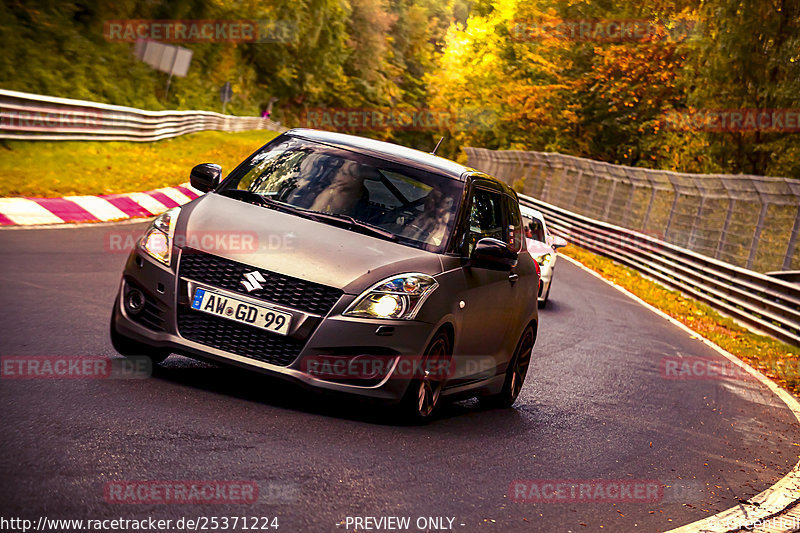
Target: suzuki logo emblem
(253, 280)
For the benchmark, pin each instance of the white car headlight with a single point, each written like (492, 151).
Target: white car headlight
(543, 259)
(399, 297)
(157, 240)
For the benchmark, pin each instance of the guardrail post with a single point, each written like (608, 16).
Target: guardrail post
(671, 214)
(756, 236)
(646, 218)
(626, 215)
(695, 222)
(588, 206)
(698, 214)
(577, 183)
(787, 260)
(724, 234)
(609, 200)
(629, 206)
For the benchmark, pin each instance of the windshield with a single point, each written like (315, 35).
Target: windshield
(534, 229)
(416, 208)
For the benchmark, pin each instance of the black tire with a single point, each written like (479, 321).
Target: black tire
(515, 374)
(423, 397)
(128, 347)
(543, 302)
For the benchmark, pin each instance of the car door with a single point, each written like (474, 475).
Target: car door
(488, 295)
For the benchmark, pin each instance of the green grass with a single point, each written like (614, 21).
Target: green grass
(49, 169)
(775, 359)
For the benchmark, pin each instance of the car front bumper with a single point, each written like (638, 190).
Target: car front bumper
(332, 335)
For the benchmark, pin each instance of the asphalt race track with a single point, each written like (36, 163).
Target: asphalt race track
(595, 406)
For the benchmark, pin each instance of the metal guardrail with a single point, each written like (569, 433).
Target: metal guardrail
(750, 221)
(25, 116)
(768, 304)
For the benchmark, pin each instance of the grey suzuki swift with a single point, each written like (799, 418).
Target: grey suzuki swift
(344, 264)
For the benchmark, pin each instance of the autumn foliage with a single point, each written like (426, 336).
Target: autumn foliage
(590, 78)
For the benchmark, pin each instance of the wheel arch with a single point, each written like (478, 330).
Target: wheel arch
(534, 323)
(449, 329)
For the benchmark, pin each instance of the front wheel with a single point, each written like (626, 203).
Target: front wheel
(423, 397)
(515, 375)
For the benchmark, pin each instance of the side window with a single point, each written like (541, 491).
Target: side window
(485, 218)
(515, 229)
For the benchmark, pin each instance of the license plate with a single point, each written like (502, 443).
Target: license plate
(254, 315)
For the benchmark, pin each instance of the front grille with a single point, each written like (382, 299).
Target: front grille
(233, 337)
(284, 290)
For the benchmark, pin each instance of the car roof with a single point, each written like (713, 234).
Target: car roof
(385, 150)
(530, 212)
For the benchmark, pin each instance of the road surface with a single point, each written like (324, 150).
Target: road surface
(595, 407)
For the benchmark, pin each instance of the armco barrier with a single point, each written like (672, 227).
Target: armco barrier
(25, 116)
(767, 304)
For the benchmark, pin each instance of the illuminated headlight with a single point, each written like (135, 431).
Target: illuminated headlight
(543, 259)
(157, 240)
(399, 297)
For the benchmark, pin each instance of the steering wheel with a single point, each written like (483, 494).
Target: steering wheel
(392, 213)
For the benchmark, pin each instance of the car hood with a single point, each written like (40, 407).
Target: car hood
(538, 248)
(295, 246)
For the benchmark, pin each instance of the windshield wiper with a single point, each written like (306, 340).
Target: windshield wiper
(355, 224)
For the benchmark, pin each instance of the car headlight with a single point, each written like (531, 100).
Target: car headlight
(399, 297)
(157, 240)
(544, 259)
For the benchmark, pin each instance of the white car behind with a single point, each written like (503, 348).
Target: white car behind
(542, 246)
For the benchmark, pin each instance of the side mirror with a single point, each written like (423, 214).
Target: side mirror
(493, 254)
(205, 176)
(558, 242)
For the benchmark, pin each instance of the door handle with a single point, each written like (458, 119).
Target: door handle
(513, 277)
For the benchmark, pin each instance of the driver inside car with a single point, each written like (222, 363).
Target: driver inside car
(430, 225)
(346, 194)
